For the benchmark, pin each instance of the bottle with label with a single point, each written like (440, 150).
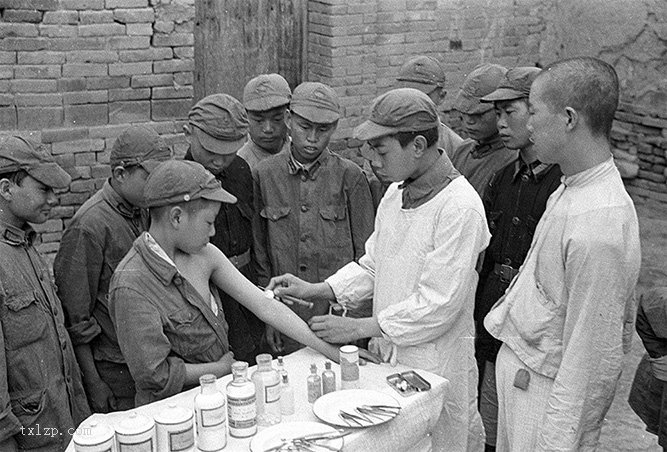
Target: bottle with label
(174, 429)
(210, 416)
(267, 390)
(286, 396)
(314, 384)
(241, 403)
(328, 379)
(136, 433)
(349, 367)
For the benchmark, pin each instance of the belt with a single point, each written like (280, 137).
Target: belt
(240, 260)
(506, 272)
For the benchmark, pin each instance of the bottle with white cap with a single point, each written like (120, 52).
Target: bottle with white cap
(94, 436)
(349, 367)
(136, 433)
(241, 403)
(174, 429)
(210, 416)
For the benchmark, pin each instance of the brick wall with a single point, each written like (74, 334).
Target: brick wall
(75, 73)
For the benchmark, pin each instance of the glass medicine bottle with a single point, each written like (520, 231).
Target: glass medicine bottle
(267, 390)
(241, 403)
(210, 416)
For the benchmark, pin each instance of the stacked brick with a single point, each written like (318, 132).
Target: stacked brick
(358, 47)
(639, 136)
(75, 73)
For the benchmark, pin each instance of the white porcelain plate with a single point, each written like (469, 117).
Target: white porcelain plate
(376, 408)
(272, 437)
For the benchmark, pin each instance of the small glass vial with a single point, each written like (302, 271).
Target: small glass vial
(349, 367)
(281, 367)
(267, 389)
(314, 384)
(241, 403)
(286, 396)
(328, 379)
(210, 416)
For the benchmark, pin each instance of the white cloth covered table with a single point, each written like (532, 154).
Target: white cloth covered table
(409, 431)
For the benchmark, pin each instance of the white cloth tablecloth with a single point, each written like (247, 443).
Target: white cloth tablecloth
(411, 430)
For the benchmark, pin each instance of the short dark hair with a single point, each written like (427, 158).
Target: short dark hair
(191, 207)
(431, 136)
(588, 85)
(15, 177)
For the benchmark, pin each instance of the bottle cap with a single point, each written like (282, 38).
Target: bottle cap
(239, 366)
(207, 379)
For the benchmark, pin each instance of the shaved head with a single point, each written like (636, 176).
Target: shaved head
(588, 85)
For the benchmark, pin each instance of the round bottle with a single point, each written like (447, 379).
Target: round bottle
(94, 437)
(349, 367)
(286, 396)
(314, 384)
(241, 403)
(210, 416)
(328, 379)
(174, 429)
(136, 433)
(267, 390)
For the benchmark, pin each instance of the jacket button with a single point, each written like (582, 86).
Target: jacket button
(303, 238)
(302, 268)
(516, 221)
(304, 208)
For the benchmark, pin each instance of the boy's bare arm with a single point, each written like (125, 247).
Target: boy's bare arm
(228, 278)
(218, 368)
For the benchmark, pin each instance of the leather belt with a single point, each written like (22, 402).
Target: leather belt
(505, 272)
(240, 260)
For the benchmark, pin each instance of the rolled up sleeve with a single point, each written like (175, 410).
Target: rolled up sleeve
(156, 372)
(77, 269)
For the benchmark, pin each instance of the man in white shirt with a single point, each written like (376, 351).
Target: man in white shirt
(566, 319)
(419, 268)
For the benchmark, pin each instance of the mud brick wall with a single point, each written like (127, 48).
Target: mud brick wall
(639, 136)
(75, 73)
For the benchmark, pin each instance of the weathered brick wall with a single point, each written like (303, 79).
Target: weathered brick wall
(358, 47)
(75, 73)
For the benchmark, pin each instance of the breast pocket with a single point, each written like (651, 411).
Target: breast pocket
(278, 226)
(539, 327)
(188, 333)
(25, 321)
(335, 227)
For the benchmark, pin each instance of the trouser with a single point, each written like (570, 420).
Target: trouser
(520, 411)
(488, 402)
(117, 377)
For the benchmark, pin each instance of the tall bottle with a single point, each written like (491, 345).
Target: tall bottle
(286, 396)
(314, 384)
(210, 416)
(349, 367)
(267, 389)
(328, 379)
(241, 403)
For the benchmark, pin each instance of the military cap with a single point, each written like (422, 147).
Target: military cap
(316, 102)
(176, 181)
(398, 110)
(18, 153)
(139, 145)
(483, 80)
(220, 123)
(423, 73)
(515, 85)
(266, 91)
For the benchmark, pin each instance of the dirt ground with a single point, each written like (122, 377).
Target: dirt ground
(623, 430)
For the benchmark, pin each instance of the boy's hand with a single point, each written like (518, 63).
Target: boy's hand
(335, 329)
(100, 397)
(368, 356)
(289, 284)
(272, 336)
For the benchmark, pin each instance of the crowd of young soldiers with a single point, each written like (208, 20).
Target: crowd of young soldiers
(155, 279)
